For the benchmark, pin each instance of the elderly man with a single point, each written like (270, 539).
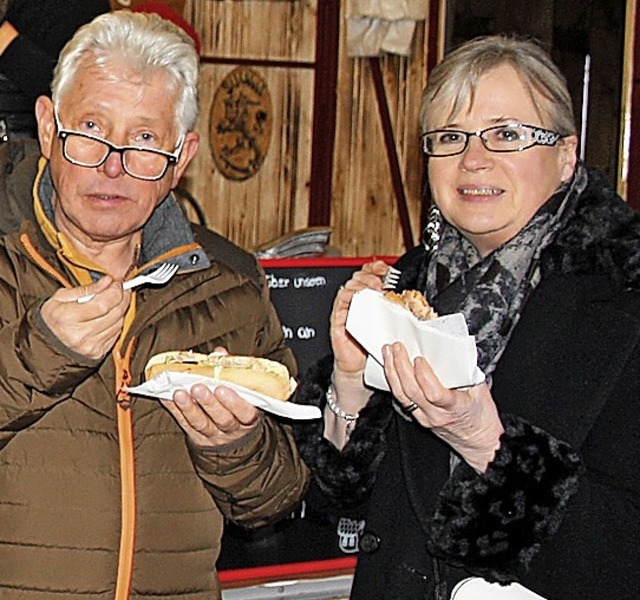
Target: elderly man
(103, 494)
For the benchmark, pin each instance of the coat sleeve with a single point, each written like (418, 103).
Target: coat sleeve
(258, 479)
(563, 520)
(344, 477)
(36, 373)
(261, 477)
(495, 523)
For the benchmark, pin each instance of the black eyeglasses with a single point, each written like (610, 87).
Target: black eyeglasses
(86, 150)
(510, 137)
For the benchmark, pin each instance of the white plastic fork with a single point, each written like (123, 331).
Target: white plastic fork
(390, 279)
(158, 277)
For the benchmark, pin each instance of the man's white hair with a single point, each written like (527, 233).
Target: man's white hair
(147, 45)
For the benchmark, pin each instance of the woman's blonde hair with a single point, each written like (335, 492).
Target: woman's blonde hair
(455, 79)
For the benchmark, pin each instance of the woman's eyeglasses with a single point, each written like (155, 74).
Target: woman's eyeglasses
(510, 137)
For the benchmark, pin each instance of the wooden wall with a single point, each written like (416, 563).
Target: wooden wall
(278, 40)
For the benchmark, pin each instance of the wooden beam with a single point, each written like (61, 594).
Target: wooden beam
(324, 112)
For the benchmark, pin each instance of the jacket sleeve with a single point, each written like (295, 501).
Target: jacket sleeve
(270, 341)
(344, 477)
(37, 373)
(259, 478)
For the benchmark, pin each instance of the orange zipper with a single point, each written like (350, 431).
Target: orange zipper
(127, 472)
(37, 258)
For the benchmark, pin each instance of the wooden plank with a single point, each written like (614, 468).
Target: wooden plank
(364, 212)
(355, 189)
(255, 29)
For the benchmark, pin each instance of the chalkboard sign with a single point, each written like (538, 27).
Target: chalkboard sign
(302, 290)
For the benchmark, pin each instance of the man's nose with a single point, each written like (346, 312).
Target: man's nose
(112, 165)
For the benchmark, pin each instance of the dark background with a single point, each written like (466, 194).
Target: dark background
(570, 30)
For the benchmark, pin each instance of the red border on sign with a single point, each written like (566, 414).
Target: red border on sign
(324, 261)
(311, 568)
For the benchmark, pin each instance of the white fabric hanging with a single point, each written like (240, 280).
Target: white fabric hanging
(377, 26)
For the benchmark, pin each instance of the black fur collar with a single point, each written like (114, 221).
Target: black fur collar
(603, 237)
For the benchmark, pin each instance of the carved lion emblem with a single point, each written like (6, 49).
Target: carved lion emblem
(240, 124)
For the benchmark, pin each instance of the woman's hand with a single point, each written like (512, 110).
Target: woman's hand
(466, 419)
(349, 355)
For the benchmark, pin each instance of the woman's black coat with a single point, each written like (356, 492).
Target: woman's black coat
(559, 507)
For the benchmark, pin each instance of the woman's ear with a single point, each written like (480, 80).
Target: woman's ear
(46, 125)
(568, 156)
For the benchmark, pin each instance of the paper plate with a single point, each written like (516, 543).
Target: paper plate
(164, 384)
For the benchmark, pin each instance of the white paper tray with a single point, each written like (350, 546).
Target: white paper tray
(475, 588)
(444, 342)
(164, 384)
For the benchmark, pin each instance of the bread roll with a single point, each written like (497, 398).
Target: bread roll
(261, 375)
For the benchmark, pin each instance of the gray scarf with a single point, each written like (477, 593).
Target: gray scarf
(492, 291)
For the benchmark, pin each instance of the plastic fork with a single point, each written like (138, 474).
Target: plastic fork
(390, 279)
(158, 277)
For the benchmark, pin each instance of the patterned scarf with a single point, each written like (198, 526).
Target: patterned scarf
(492, 291)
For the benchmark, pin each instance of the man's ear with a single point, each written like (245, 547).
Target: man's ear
(46, 125)
(189, 149)
(568, 157)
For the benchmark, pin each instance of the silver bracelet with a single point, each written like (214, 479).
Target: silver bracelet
(336, 410)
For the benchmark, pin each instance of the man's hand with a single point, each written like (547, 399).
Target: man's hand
(212, 417)
(92, 328)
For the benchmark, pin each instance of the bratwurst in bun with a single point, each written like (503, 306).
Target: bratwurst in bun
(261, 375)
(415, 302)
